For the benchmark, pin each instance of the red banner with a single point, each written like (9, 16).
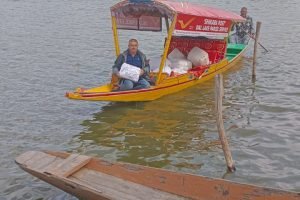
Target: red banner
(189, 25)
(149, 23)
(127, 23)
(143, 23)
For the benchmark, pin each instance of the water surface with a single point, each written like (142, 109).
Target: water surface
(49, 47)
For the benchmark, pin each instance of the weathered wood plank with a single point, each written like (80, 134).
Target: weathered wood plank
(188, 185)
(44, 162)
(69, 165)
(67, 185)
(52, 165)
(26, 156)
(116, 188)
(39, 161)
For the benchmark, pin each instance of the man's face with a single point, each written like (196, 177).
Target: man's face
(244, 12)
(133, 47)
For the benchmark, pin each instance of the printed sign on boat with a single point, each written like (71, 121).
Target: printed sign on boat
(201, 26)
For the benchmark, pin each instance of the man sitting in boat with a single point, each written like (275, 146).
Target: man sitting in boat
(135, 57)
(243, 30)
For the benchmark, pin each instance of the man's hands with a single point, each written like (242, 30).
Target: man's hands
(142, 72)
(117, 74)
(252, 35)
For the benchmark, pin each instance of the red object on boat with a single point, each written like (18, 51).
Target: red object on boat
(198, 71)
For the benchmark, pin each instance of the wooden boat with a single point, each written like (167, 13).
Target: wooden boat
(95, 179)
(189, 25)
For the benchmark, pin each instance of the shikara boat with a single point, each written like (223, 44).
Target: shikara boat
(188, 25)
(95, 179)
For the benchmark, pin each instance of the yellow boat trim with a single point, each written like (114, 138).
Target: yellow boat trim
(168, 85)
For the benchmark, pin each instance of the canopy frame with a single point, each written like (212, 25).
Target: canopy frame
(166, 49)
(168, 10)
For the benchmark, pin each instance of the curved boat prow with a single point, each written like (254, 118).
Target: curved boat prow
(82, 94)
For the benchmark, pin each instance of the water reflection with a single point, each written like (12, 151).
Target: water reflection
(169, 132)
(149, 133)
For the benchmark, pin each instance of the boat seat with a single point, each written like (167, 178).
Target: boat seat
(69, 166)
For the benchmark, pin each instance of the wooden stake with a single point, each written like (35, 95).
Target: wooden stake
(258, 25)
(225, 146)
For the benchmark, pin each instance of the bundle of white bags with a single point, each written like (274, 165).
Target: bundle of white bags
(178, 63)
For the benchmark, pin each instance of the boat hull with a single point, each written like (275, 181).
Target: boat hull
(166, 87)
(92, 178)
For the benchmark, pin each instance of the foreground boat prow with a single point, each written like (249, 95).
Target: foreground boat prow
(92, 178)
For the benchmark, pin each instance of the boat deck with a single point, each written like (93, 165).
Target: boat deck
(96, 179)
(70, 175)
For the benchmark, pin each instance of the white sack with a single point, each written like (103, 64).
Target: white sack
(181, 66)
(130, 72)
(198, 57)
(176, 54)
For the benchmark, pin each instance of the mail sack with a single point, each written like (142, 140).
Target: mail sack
(130, 72)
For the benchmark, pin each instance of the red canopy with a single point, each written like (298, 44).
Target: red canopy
(167, 7)
(192, 19)
(201, 11)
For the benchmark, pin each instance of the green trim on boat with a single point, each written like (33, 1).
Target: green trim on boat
(233, 50)
(236, 46)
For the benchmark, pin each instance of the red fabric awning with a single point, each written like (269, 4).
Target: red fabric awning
(192, 19)
(201, 11)
(165, 7)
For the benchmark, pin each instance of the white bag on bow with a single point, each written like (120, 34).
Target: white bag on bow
(130, 72)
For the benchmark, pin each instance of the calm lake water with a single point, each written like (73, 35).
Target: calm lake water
(50, 47)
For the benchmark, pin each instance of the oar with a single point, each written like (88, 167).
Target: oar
(253, 38)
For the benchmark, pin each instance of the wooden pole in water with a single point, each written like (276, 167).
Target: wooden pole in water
(258, 25)
(225, 146)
